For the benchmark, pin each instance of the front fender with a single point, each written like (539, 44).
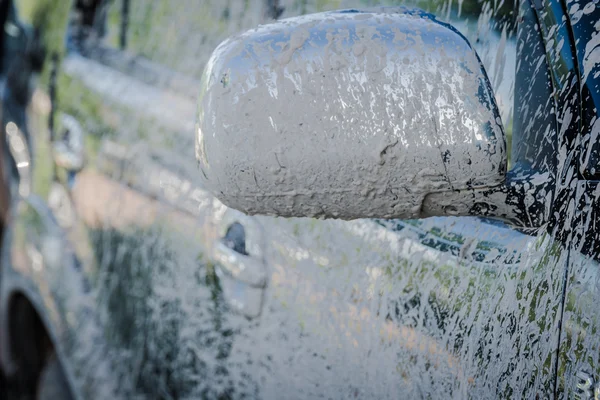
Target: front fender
(42, 263)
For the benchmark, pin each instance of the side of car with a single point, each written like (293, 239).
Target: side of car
(146, 284)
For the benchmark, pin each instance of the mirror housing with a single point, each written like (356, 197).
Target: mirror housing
(350, 114)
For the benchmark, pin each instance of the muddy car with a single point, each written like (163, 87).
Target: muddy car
(337, 204)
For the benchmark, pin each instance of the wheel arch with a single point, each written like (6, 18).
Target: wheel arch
(27, 341)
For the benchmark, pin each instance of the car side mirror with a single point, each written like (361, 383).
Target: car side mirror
(352, 114)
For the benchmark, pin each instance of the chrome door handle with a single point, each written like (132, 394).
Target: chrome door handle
(240, 264)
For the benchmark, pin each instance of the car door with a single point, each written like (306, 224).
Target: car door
(155, 320)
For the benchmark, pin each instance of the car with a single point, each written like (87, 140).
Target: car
(324, 207)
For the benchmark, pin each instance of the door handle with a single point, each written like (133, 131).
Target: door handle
(68, 150)
(241, 267)
(240, 264)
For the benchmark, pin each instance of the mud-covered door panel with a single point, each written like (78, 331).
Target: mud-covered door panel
(360, 309)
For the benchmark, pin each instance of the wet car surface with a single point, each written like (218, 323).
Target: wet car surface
(147, 286)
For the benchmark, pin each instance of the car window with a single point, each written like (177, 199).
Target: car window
(534, 127)
(586, 30)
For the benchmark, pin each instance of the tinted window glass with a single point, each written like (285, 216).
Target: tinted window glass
(585, 22)
(534, 129)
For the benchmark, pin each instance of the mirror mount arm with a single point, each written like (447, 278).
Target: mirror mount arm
(523, 201)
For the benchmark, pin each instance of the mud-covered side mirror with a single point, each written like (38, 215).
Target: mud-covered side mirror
(352, 114)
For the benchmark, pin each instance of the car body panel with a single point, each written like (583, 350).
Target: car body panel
(412, 299)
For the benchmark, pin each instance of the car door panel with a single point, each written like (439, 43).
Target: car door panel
(406, 311)
(151, 231)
